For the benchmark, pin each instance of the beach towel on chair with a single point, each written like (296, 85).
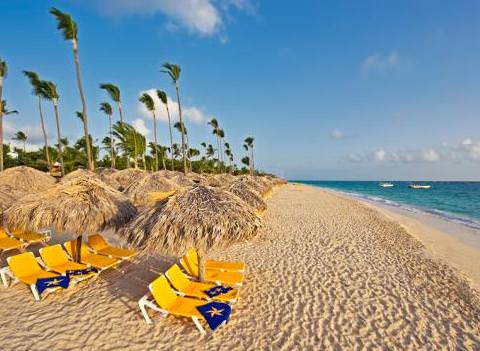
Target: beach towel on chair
(43, 284)
(77, 272)
(215, 313)
(217, 290)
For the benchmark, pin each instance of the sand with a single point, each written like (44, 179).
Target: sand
(331, 273)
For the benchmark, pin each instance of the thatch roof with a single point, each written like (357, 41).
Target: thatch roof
(8, 196)
(197, 178)
(182, 181)
(225, 178)
(153, 187)
(199, 216)
(251, 197)
(26, 180)
(125, 177)
(170, 174)
(80, 206)
(213, 181)
(258, 184)
(79, 173)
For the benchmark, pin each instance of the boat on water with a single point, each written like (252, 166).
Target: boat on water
(386, 185)
(419, 186)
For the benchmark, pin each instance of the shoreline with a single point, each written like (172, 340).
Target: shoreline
(454, 243)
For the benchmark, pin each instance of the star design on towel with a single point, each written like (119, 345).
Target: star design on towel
(53, 282)
(215, 312)
(219, 290)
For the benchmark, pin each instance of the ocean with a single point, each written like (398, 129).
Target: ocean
(453, 201)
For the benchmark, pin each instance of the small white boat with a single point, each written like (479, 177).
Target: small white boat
(419, 186)
(386, 185)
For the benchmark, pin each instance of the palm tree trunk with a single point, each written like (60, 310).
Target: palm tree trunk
(90, 165)
(135, 154)
(45, 139)
(253, 162)
(188, 153)
(59, 136)
(183, 130)
(1, 141)
(1, 126)
(120, 110)
(112, 152)
(171, 135)
(218, 148)
(155, 137)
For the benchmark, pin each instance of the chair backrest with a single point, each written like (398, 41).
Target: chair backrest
(71, 245)
(97, 242)
(186, 265)
(162, 292)
(192, 262)
(53, 255)
(23, 265)
(3, 234)
(178, 279)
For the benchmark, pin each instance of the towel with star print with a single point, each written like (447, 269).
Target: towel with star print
(43, 284)
(77, 272)
(217, 290)
(215, 313)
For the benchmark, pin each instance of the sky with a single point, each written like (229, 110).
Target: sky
(348, 90)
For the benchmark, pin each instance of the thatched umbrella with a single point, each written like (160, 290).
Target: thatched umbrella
(106, 177)
(8, 196)
(257, 184)
(247, 194)
(155, 187)
(125, 177)
(182, 181)
(26, 180)
(81, 206)
(79, 173)
(201, 217)
(197, 178)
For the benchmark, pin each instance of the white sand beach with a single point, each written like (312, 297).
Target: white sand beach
(330, 273)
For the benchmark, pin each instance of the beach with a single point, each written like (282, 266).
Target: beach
(329, 272)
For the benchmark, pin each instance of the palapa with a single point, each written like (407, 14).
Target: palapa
(247, 194)
(26, 180)
(152, 188)
(201, 217)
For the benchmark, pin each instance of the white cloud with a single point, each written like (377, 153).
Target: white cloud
(466, 150)
(191, 113)
(140, 126)
(337, 134)
(380, 62)
(203, 17)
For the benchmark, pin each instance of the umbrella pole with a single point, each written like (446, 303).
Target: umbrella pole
(201, 265)
(78, 247)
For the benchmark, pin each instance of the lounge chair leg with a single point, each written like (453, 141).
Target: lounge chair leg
(3, 275)
(141, 303)
(35, 292)
(199, 326)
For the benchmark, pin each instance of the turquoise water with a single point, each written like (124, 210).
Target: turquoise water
(454, 201)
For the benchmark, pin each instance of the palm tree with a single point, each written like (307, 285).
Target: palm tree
(246, 161)
(68, 27)
(249, 146)
(37, 91)
(49, 92)
(174, 72)
(3, 75)
(147, 100)
(129, 140)
(164, 99)
(221, 136)
(107, 109)
(180, 126)
(21, 137)
(3, 112)
(215, 131)
(114, 92)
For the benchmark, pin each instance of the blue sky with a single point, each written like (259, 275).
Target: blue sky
(329, 89)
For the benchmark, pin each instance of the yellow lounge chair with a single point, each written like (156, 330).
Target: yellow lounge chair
(30, 237)
(217, 265)
(98, 261)
(195, 289)
(57, 260)
(8, 243)
(100, 246)
(25, 268)
(212, 276)
(166, 301)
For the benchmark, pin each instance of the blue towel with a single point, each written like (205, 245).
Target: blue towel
(217, 290)
(85, 271)
(215, 313)
(45, 283)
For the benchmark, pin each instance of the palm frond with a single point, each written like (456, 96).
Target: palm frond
(3, 68)
(65, 24)
(162, 96)
(35, 82)
(172, 70)
(48, 90)
(112, 90)
(147, 100)
(106, 108)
